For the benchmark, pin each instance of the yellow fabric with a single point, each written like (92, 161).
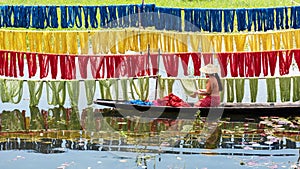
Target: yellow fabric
(8, 40)
(47, 42)
(1, 40)
(195, 39)
(133, 40)
(96, 43)
(240, 41)
(171, 42)
(287, 39)
(276, 38)
(121, 36)
(266, 40)
(297, 40)
(228, 41)
(72, 42)
(144, 39)
(254, 42)
(181, 42)
(154, 39)
(112, 41)
(217, 43)
(39, 42)
(56, 43)
(84, 42)
(206, 43)
(63, 41)
(31, 41)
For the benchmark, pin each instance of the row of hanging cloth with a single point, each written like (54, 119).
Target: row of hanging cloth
(121, 16)
(57, 90)
(121, 41)
(235, 88)
(240, 64)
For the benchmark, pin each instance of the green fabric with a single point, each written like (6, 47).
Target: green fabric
(142, 90)
(11, 89)
(230, 89)
(285, 88)
(73, 90)
(202, 83)
(35, 91)
(56, 90)
(189, 86)
(124, 88)
(58, 120)
(296, 88)
(162, 86)
(253, 88)
(90, 87)
(222, 92)
(105, 85)
(74, 123)
(239, 89)
(271, 89)
(36, 119)
(89, 123)
(170, 85)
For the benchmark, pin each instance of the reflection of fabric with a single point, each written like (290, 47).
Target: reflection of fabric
(57, 91)
(285, 88)
(253, 88)
(73, 90)
(90, 87)
(11, 90)
(37, 121)
(271, 89)
(189, 86)
(142, 90)
(239, 89)
(296, 88)
(35, 91)
(230, 89)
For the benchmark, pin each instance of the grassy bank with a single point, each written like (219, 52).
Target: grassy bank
(169, 3)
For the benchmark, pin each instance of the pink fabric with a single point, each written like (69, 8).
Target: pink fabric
(83, 61)
(207, 58)
(97, 64)
(209, 101)
(171, 64)
(223, 61)
(154, 63)
(196, 57)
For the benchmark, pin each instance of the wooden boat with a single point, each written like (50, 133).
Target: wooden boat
(234, 111)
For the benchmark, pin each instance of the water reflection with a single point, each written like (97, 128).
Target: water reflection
(60, 129)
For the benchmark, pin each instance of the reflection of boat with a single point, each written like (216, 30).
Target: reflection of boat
(235, 111)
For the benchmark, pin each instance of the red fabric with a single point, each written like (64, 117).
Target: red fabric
(249, 64)
(297, 57)
(285, 62)
(13, 65)
(171, 100)
(257, 63)
(209, 101)
(223, 61)
(21, 63)
(241, 64)
(132, 67)
(31, 63)
(118, 65)
(44, 65)
(83, 61)
(97, 64)
(171, 64)
(185, 57)
(207, 58)
(67, 66)
(110, 66)
(2, 62)
(53, 58)
(234, 59)
(142, 65)
(196, 57)
(272, 61)
(154, 63)
(265, 61)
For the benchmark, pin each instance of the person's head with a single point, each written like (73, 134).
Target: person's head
(212, 70)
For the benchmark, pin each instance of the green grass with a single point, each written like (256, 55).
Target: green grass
(166, 3)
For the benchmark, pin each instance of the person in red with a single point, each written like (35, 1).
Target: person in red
(213, 87)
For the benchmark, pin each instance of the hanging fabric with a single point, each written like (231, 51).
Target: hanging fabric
(223, 59)
(254, 42)
(31, 63)
(234, 60)
(154, 63)
(241, 19)
(230, 89)
(249, 64)
(297, 57)
(73, 91)
(285, 60)
(217, 44)
(105, 88)
(195, 39)
(2, 62)
(208, 58)
(56, 92)
(277, 41)
(142, 90)
(110, 66)
(269, 60)
(268, 19)
(52, 19)
(181, 42)
(90, 87)
(294, 20)
(296, 88)
(188, 13)
(239, 89)
(112, 19)
(253, 82)
(64, 17)
(67, 66)
(84, 42)
(12, 64)
(124, 87)
(44, 65)
(229, 15)
(240, 42)
(171, 64)
(53, 60)
(35, 91)
(185, 57)
(279, 17)
(228, 42)
(11, 90)
(287, 39)
(196, 57)
(122, 16)
(241, 64)
(20, 63)
(271, 89)
(216, 19)
(72, 42)
(189, 86)
(206, 43)
(285, 88)
(97, 64)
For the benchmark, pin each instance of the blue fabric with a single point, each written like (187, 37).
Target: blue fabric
(71, 17)
(279, 18)
(38, 16)
(295, 17)
(250, 14)
(25, 14)
(268, 18)
(160, 24)
(8, 16)
(86, 16)
(188, 20)
(286, 14)
(2, 15)
(256, 19)
(52, 20)
(17, 12)
(176, 19)
(103, 17)
(241, 19)
(74, 16)
(93, 16)
(64, 17)
(112, 19)
(140, 102)
(216, 20)
(133, 15)
(205, 20)
(123, 16)
(78, 16)
(196, 20)
(228, 20)
(147, 15)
